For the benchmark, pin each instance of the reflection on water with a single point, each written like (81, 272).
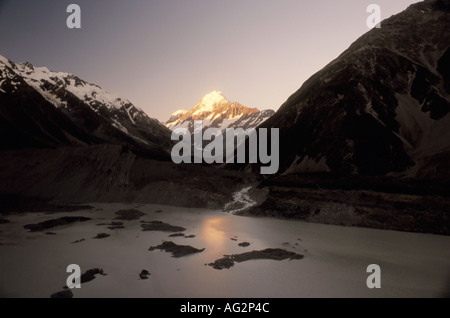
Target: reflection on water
(334, 266)
(213, 231)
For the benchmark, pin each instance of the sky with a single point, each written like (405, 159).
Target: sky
(164, 55)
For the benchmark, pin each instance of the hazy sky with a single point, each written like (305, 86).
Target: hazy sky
(164, 55)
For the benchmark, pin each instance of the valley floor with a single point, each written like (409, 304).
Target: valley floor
(33, 264)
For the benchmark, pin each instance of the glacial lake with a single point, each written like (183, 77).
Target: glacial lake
(33, 264)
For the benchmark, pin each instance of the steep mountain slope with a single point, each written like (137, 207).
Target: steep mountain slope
(112, 173)
(27, 120)
(218, 112)
(381, 107)
(39, 107)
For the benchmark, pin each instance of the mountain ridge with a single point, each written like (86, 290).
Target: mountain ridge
(216, 111)
(95, 113)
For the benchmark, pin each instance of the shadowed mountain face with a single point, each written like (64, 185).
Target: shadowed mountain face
(39, 124)
(111, 173)
(381, 107)
(41, 108)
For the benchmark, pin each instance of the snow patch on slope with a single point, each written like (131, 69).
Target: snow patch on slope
(41, 77)
(179, 112)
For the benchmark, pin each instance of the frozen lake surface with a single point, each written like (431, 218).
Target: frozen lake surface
(335, 262)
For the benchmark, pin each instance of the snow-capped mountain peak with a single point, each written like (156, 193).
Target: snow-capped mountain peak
(210, 101)
(217, 111)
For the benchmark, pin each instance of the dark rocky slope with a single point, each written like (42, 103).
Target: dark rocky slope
(381, 107)
(113, 173)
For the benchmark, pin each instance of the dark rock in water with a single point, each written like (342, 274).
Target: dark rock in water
(176, 250)
(55, 222)
(62, 294)
(176, 235)
(144, 274)
(78, 241)
(90, 275)
(161, 226)
(50, 233)
(269, 253)
(117, 227)
(112, 225)
(4, 221)
(158, 211)
(244, 244)
(181, 235)
(129, 215)
(234, 238)
(222, 263)
(102, 236)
